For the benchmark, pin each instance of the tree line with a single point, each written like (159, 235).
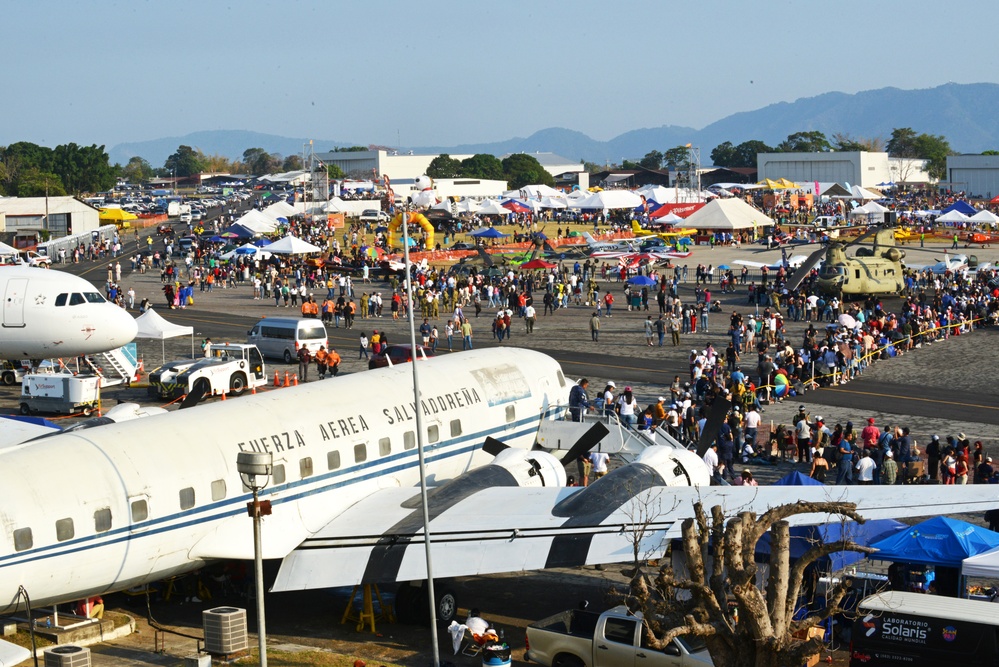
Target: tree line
(904, 143)
(518, 169)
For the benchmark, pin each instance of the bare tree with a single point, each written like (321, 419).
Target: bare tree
(743, 624)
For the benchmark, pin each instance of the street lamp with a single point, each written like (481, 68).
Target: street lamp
(252, 465)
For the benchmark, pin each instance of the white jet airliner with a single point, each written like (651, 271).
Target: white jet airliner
(103, 509)
(48, 314)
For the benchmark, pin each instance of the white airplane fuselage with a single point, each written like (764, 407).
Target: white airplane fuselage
(47, 314)
(120, 505)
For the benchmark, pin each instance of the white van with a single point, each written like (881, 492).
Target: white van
(281, 337)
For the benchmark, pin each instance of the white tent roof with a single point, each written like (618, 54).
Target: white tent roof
(608, 199)
(672, 219)
(870, 208)
(552, 202)
(467, 206)
(6, 249)
(258, 222)
(152, 325)
(727, 214)
(953, 216)
(985, 216)
(534, 191)
(291, 245)
(259, 253)
(981, 565)
(492, 207)
(280, 209)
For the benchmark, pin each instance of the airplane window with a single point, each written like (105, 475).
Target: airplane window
(305, 467)
(76, 299)
(385, 446)
(409, 440)
(278, 475)
(95, 297)
(333, 460)
(102, 520)
(218, 489)
(61, 299)
(140, 510)
(511, 413)
(187, 498)
(64, 529)
(360, 453)
(455, 427)
(433, 433)
(22, 539)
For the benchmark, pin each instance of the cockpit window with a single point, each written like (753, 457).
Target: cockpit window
(94, 297)
(76, 299)
(61, 299)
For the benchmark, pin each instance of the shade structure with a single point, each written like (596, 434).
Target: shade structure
(117, 215)
(257, 222)
(727, 214)
(986, 217)
(796, 478)
(488, 233)
(492, 207)
(7, 249)
(953, 216)
(534, 192)
(516, 206)
(552, 202)
(609, 199)
(642, 281)
(153, 325)
(870, 208)
(292, 245)
(281, 209)
(538, 264)
(803, 538)
(982, 565)
(962, 207)
(466, 206)
(937, 541)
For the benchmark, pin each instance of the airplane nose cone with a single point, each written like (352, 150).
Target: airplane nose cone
(122, 327)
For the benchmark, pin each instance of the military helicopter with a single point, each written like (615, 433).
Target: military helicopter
(875, 270)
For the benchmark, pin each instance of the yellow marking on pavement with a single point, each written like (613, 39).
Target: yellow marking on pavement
(912, 398)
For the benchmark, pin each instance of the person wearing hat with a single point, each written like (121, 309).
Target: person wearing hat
(659, 411)
(889, 469)
(605, 402)
(870, 434)
(984, 471)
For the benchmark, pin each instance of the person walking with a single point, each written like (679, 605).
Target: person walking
(362, 350)
(595, 326)
(304, 359)
(466, 335)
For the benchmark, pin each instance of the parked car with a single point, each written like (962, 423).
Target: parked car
(374, 215)
(398, 354)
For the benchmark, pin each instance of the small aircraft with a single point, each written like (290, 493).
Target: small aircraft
(342, 485)
(949, 264)
(662, 231)
(785, 262)
(983, 239)
(624, 245)
(50, 314)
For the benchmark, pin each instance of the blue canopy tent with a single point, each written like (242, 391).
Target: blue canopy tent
(240, 231)
(939, 541)
(642, 281)
(804, 538)
(795, 478)
(488, 233)
(262, 242)
(960, 207)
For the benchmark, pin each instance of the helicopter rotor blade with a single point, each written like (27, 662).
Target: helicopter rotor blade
(802, 271)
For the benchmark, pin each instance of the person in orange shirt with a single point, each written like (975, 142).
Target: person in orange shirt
(333, 361)
(322, 362)
(349, 311)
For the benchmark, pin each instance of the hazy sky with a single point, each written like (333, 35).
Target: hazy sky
(445, 73)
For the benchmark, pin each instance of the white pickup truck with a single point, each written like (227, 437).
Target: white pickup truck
(230, 368)
(578, 638)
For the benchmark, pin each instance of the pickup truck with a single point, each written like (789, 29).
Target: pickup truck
(578, 638)
(229, 368)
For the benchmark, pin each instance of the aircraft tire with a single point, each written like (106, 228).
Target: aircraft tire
(9, 378)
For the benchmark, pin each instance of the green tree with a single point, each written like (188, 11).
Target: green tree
(804, 142)
(902, 142)
(847, 144)
(184, 162)
(677, 158)
(628, 164)
(444, 166)
(723, 154)
(744, 154)
(292, 163)
(349, 149)
(990, 152)
(482, 165)
(522, 169)
(652, 160)
(83, 168)
(905, 142)
(138, 170)
(259, 162)
(334, 171)
(591, 167)
(36, 183)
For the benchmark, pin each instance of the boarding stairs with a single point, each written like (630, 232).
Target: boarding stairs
(622, 441)
(116, 366)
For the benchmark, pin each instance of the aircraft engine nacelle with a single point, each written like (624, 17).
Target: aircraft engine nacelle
(531, 468)
(893, 254)
(677, 467)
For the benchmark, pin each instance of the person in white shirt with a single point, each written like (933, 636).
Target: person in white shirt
(627, 408)
(865, 469)
(599, 461)
(711, 459)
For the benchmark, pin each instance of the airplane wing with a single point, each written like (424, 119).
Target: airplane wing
(634, 509)
(12, 654)
(751, 264)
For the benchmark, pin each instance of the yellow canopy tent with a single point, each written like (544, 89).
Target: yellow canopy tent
(781, 184)
(118, 216)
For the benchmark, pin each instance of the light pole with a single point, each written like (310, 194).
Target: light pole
(252, 465)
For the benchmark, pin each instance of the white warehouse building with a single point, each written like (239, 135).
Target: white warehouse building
(863, 168)
(978, 175)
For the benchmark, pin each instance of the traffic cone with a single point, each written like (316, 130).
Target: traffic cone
(294, 379)
(223, 395)
(277, 379)
(287, 379)
(253, 389)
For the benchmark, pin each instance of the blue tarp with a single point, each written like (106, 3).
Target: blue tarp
(936, 541)
(804, 538)
(796, 479)
(960, 207)
(488, 233)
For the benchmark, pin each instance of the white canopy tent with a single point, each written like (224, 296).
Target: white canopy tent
(981, 565)
(292, 245)
(552, 202)
(985, 217)
(280, 209)
(257, 222)
(534, 192)
(953, 216)
(152, 325)
(727, 215)
(6, 249)
(258, 253)
(870, 208)
(467, 206)
(492, 207)
(609, 199)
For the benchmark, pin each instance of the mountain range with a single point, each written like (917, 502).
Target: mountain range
(963, 113)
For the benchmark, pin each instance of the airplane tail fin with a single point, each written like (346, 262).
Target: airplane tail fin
(590, 241)
(635, 227)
